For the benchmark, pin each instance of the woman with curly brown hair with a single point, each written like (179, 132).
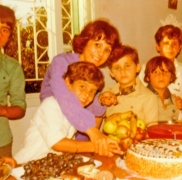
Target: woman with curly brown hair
(96, 44)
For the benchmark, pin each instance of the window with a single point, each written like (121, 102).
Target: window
(44, 29)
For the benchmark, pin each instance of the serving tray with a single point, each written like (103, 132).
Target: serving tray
(18, 172)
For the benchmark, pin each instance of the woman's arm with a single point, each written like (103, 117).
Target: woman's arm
(79, 117)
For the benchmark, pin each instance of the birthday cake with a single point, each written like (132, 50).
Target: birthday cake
(155, 158)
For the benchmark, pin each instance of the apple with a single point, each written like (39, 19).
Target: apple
(141, 123)
(140, 130)
(134, 140)
(122, 132)
(140, 134)
(125, 143)
(110, 126)
(124, 122)
(114, 137)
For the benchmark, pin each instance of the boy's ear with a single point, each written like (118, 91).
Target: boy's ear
(148, 79)
(111, 74)
(67, 82)
(138, 68)
(157, 48)
(180, 48)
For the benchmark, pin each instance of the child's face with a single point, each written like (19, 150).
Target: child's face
(84, 91)
(4, 34)
(96, 52)
(124, 71)
(160, 79)
(169, 48)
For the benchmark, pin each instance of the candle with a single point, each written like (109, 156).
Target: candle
(155, 150)
(174, 136)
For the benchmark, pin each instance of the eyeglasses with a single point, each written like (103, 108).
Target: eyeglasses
(5, 31)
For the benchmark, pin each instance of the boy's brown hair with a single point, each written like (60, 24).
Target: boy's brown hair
(96, 30)
(124, 50)
(156, 62)
(85, 71)
(7, 16)
(170, 31)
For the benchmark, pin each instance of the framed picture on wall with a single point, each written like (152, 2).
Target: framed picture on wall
(172, 4)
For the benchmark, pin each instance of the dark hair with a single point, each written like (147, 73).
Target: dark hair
(156, 62)
(98, 29)
(85, 71)
(170, 31)
(124, 50)
(7, 16)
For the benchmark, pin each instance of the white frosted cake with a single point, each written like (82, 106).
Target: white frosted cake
(156, 158)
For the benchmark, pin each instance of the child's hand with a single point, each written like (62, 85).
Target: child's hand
(107, 98)
(107, 147)
(177, 101)
(103, 145)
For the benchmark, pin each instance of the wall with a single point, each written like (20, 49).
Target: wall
(137, 21)
(20, 126)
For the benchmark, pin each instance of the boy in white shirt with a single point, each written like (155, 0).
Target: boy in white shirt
(49, 129)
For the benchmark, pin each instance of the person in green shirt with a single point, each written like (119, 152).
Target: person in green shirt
(12, 84)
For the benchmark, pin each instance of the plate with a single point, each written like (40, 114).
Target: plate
(18, 172)
(165, 129)
(5, 171)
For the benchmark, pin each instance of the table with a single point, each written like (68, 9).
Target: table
(108, 163)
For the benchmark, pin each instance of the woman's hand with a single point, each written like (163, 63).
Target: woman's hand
(107, 98)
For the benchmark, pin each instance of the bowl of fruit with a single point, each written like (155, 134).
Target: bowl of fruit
(126, 128)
